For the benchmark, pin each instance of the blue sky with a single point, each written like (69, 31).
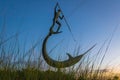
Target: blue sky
(92, 21)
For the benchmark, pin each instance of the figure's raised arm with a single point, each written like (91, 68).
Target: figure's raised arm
(55, 7)
(61, 17)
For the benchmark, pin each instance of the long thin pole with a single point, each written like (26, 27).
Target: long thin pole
(67, 23)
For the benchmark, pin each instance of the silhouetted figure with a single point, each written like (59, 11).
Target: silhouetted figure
(57, 16)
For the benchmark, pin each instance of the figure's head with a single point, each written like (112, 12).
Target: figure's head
(59, 10)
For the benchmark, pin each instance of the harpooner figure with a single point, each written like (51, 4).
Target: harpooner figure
(57, 16)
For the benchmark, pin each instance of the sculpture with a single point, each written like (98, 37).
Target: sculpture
(59, 64)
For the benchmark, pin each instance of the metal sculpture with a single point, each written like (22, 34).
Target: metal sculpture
(59, 64)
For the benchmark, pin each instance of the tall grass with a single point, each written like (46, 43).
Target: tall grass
(18, 64)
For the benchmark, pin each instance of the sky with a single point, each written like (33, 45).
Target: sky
(92, 22)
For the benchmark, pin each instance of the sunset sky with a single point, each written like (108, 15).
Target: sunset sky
(92, 22)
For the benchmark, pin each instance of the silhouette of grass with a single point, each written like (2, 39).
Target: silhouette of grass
(18, 64)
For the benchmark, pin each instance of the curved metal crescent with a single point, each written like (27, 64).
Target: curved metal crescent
(60, 64)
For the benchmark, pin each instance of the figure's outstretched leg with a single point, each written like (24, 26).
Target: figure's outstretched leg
(59, 26)
(51, 28)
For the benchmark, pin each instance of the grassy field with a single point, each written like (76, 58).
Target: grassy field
(18, 64)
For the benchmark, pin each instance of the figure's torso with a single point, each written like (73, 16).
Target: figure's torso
(57, 15)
